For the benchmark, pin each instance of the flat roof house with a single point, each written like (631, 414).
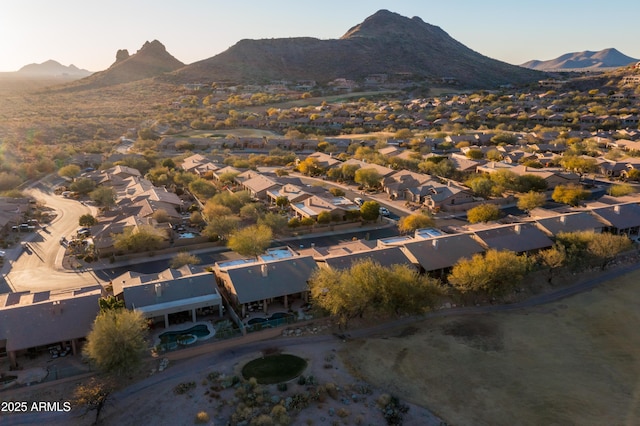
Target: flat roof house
(171, 291)
(248, 281)
(519, 237)
(29, 321)
(441, 253)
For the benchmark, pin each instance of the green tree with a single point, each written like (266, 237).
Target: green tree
(161, 216)
(276, 222)
(529, 182)
(282, 202)
(607, 247)
(483, 213)
(370, 210)
(481, 186)
(531, 200)
(234, 200)
(83, 186)
(336, 192)
(87, 220)
(221, 226)
(110, 303)
(250, 212)
(310, 166)
(251, 241)
(138, 239)
(71, 171)
(409, 224)
(552, 258)
(116, 342)
(368, 177)
(570, 194)
(348, 171)
(104, 196)
(579, 164)
(203, 189)
(495, 273)
(212, 209)
(369, 288)
(621, 190)
(324, 217)
(184, 258)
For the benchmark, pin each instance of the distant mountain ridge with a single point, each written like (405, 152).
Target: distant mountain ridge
(52, 68)
(587, 60)
(385, 42)
(151, 60)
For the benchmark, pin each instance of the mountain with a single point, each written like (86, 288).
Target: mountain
(587, 60)
(52, 68)
(385, 42)
(150, 61)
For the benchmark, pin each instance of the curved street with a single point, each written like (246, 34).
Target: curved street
(35, 265)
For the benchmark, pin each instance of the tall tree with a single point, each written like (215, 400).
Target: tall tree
(531, 200)
(607, 246)
(370, 288)
(104, 196)
(370, 210)
(87, 220)
(71, 171)
(483, 213)
(116, 342)
(251, 241)
(221, 226)
(570, 194)
(368, 177)
(495, 272)
(409, 224)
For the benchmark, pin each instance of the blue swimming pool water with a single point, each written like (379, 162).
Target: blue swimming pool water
(200, 330)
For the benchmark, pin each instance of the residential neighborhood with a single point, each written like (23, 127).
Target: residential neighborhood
(337, 186)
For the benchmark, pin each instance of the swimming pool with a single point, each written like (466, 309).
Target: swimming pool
(170, 339)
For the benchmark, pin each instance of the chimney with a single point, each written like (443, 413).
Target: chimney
(434, 242)
(158, 288)
(264, 269)
(616, 209)
(518, 228)
(563, 219)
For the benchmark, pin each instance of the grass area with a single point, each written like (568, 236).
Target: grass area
(573, 362)
(276, 368)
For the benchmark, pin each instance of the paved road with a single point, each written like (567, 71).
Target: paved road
(36, 268)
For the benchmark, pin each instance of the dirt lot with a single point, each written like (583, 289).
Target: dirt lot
(574, 362)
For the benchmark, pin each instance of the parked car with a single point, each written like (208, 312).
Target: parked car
(384, 212)
(359, 201)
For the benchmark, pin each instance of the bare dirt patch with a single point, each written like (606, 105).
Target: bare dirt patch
(571, 362)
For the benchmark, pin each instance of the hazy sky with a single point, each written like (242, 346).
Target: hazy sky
(88, 33)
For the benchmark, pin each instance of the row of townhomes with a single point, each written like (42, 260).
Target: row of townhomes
(280, 276)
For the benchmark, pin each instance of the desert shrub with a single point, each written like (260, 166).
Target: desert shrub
(262, 420)
(301, 380)
(282, 387)
(383, 400)
(342, 412)
(202, 417)
(213, 376)
(332, 390)
(183, 388)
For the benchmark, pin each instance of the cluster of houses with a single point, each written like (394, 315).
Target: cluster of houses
(48, 319)
(545, 107)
